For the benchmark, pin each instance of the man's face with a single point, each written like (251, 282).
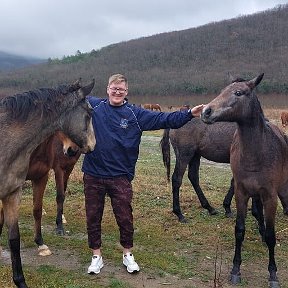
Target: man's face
(117, 92)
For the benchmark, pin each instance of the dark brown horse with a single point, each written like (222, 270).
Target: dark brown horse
(190, 142)
(26, 120)
(259, 162)
(50, 155)
(152, 107)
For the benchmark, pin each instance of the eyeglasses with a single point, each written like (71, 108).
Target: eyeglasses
(115, 90)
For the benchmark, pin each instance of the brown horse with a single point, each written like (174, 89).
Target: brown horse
(284, 118)
(26, 120)
(194, 140)
(191, 142)
(50, 155)
(259, 162)
(152, 107)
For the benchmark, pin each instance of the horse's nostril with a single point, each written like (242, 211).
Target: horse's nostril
(207, 112)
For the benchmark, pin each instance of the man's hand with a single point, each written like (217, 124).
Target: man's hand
(196, 111)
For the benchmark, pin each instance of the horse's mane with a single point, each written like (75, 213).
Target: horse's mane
(42, 101)
(238, 79)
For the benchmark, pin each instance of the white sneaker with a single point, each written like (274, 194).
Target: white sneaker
(130, 263)
(96, 265)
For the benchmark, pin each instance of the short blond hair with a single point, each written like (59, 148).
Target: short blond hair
(117, 78)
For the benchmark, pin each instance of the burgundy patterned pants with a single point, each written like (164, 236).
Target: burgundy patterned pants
(119, 189)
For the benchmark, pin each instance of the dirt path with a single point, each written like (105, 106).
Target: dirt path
(70, 261)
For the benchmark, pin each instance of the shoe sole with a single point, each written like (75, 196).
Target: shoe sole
(131, 272)
(93, 273)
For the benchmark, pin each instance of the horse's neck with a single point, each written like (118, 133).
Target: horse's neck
(24, 138)
(252, 140)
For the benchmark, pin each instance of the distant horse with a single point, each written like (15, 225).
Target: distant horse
(284, 118)
(259, 162)
(190, 142)
(152, 107)
(179, 108)
(49, 155)
(26, 120)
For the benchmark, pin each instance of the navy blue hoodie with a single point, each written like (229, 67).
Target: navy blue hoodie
(118, 131)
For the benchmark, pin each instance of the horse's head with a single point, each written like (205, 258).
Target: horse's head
(69, 147)
(77, 122)
(234, 103)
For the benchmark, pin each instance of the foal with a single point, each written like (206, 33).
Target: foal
(259, 162)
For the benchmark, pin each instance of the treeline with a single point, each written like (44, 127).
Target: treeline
(192, 61)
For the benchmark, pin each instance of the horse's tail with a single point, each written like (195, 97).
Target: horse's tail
(165, 148)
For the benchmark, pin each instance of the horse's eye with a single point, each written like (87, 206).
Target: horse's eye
(238, 93)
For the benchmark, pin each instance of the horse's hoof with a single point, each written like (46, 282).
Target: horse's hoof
(60, 232)
(229, 215)
(235, 279)
(43, 250)
(22, 285)
(183, 220)
(213, 211)
(274, 284)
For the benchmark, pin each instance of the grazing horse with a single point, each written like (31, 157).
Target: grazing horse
(152, 107)
(284, 118)
(190, 142)
(26, 120)
(259, 162)
(49, 155)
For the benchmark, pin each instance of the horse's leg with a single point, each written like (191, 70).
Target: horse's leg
(193, 175)
(270, 239)
(283, 196)
(11, 213)
(39, 186)
(1, 220)
(61, 185)
(257, 212)
(228, 199)
(177, 177)
(1, 225)
(241, 204)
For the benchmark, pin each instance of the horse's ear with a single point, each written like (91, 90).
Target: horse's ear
(230, 77)
(87, 89)
(254, 82)
(75, 86)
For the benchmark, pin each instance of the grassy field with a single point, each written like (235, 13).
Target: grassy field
(196, 254)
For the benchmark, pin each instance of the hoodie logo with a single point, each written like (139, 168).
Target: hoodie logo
(124, 123)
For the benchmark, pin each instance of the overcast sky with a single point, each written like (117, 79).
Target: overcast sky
(54, 28)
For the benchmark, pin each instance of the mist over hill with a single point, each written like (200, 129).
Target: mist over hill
(11, 61)
(187, 62)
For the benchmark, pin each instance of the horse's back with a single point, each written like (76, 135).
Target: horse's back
(210, 141)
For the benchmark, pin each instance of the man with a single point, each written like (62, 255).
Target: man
(110, 168)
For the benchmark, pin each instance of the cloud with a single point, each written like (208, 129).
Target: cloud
(57, 28)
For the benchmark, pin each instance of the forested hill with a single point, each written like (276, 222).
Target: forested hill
(186, 62)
